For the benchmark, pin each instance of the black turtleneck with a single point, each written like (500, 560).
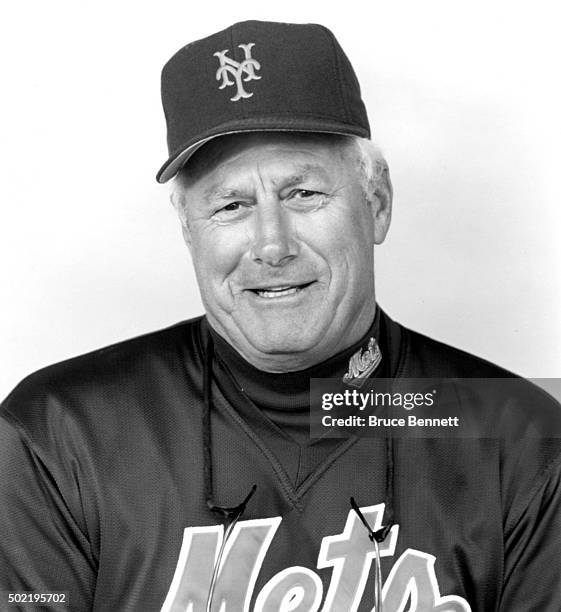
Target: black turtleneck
(279, 403)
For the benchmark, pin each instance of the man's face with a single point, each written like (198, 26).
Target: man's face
(281, 233)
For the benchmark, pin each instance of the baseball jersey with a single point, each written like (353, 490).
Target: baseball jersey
(102, 494)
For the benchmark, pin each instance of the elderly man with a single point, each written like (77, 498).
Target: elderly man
(176, 472)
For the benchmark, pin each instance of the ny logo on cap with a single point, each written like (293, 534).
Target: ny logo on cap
(229, 66)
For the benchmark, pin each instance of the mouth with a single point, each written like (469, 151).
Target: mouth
(279, 291)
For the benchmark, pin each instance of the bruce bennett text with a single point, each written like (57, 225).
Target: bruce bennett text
(374, 421)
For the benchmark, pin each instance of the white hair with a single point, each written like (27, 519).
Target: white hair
(372, 166)
(373, 172)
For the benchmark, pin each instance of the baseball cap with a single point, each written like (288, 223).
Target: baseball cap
(258, 76)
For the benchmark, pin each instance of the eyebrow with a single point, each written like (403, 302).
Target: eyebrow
(219, 193)
(302, 172)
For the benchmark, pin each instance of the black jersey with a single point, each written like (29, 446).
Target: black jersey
(102, 496)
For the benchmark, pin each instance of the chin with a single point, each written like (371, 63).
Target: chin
(282, 341)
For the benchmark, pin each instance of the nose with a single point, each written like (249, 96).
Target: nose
(273, 241)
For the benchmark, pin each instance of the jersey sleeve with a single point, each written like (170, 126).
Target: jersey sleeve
(43, 547)
(532, 559)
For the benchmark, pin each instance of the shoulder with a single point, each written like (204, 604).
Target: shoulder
(426, 357)
(522, 419)
(112, 377)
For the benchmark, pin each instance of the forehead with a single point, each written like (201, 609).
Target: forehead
(305, 152)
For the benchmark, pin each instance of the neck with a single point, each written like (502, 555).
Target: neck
(287, 391)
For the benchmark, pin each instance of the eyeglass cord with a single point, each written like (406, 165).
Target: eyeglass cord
(233, 514)
(376, 537)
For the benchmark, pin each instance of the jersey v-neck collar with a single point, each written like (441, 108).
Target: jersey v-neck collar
(297, 464)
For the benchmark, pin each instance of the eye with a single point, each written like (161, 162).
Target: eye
(231, 211)
(233, 206)
(306, 200)
(304, 194)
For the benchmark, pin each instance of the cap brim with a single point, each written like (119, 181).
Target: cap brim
(182, 154)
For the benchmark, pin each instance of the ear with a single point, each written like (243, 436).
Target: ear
(382, 206)
(179, 209)
(186, 233)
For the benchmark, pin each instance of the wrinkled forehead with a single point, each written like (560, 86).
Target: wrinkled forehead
(219, 150)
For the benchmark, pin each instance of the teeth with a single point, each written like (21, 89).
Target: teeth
(275, 293)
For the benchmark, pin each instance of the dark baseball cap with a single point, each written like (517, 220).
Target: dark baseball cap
(258, 76)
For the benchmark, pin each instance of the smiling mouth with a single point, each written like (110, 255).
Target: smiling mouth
(280, 291)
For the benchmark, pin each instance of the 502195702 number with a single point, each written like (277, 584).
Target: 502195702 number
(17, 597)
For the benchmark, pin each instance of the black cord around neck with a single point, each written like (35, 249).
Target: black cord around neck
(228, 514)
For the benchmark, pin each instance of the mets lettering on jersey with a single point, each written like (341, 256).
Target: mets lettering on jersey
(411, 582)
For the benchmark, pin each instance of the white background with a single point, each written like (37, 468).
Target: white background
(463, 97)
